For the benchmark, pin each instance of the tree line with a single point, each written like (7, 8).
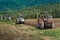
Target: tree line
(31, 12)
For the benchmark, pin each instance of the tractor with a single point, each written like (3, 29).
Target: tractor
(7, 17)
(20, 19)
(45, 22)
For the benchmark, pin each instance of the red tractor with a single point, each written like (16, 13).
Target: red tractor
(45, 22)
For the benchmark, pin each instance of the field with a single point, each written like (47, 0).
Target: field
(33, 22)
(27, 31)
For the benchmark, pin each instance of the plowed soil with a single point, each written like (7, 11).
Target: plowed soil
(33, 22)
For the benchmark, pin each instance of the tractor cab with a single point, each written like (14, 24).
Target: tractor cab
(45, 18)
(20, 19)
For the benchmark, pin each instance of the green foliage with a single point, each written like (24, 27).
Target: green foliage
(31, 12)
(37, 34)
(7, 21)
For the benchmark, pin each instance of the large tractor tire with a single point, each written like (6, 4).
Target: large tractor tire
(17, 22)
(51, 25)
(45, 26)
(48, 26)
(40, 25)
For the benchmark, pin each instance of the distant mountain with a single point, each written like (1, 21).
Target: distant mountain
(19, 4)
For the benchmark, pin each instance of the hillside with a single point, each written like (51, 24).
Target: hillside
(30, 12)
(19, 4)
(50, 9)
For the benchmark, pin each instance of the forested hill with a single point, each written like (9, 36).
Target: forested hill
(29, 8)
(19, 4)
(30, 12)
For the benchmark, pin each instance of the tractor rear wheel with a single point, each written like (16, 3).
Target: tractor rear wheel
(42, 26)
(48, 25)
(38, 25)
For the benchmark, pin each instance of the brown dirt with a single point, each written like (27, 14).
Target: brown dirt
(46, 38)
(10, 32)
(33, 22)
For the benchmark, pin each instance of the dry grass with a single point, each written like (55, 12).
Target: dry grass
(10, 32)
(24, 32)
(31, 22)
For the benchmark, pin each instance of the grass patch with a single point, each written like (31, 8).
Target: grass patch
(7, 21)
(53, 32)
(37, 34)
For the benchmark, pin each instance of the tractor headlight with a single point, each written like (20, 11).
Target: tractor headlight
(22, 20)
